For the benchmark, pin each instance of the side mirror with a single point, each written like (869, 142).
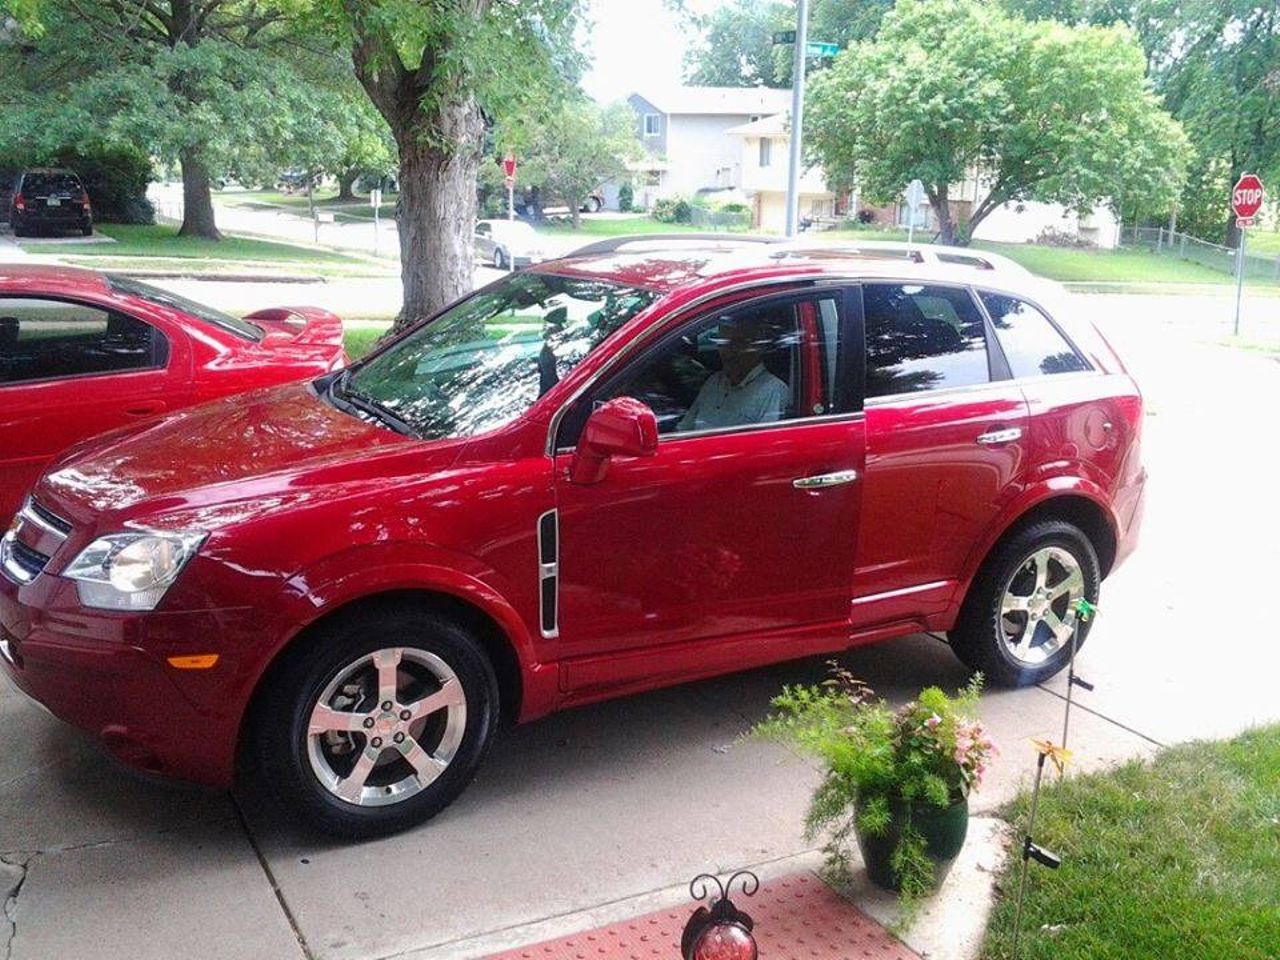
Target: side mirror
(623, 427)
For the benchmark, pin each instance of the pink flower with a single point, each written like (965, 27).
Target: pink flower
(933, 722)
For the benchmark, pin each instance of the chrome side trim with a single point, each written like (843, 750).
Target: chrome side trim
(902, 592)
(836, 479)
(549, 574)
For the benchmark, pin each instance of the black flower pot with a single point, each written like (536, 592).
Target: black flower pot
(943, 829)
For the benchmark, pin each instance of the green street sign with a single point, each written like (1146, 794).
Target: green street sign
(786, 36)
(820, 49)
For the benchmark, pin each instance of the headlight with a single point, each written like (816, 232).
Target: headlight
(131, 571)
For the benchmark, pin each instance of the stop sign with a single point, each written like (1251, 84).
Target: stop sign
(1246, 197)
(509, 166)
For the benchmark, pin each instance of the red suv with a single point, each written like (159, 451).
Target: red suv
(611, 472)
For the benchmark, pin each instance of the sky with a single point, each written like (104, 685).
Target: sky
(636, 43)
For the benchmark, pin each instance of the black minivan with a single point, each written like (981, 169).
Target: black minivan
(49, 198)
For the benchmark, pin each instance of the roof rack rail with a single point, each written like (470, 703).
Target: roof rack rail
(617, 243)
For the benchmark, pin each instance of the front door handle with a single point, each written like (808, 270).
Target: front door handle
(997, 437)
(825, 480)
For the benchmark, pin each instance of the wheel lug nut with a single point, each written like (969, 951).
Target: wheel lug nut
(405, 714)
(368, 722)
(399, 738)
(386, 705)
(376, 742)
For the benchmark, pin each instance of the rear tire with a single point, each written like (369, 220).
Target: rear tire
(499, 260)
(20, 229)
(326, 744)
(87, 229)
(1016, 621)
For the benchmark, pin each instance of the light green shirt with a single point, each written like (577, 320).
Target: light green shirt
(759, 398)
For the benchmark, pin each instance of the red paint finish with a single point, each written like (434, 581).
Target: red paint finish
(681, 558)
(40, 419)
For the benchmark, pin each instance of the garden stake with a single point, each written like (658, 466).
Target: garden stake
(1084, 610)
(1031, 850)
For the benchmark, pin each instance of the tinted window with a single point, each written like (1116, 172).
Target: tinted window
(1031, 343)
(51, 340)
(484, 362)
(752, 365)
(922, 338)
(163, 298)
(45, 182)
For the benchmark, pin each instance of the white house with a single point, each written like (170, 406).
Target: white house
(685, 133)
(764, 162)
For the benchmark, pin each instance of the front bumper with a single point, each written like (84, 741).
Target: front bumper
(108, 675)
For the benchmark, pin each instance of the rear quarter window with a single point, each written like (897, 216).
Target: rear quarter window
(1033, 346)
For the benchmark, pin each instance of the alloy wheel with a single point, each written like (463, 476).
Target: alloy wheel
(386, 726)
(1037, 612)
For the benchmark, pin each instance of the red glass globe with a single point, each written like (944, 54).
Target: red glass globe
(725, 941)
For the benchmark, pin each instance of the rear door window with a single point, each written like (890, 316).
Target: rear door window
(1032, 344)
(922, 337)
(54, 340)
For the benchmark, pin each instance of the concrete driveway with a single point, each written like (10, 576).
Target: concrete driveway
(602, 812)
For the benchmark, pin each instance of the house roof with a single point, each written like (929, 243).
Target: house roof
(777, 125)
(718, 100)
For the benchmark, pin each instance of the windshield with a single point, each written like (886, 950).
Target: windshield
(483, 363)
(163, 298)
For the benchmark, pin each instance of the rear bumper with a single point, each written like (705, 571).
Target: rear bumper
(101, 672)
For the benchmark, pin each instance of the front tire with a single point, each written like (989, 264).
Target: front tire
(378, 723)
(1016, 623)
(499, 260)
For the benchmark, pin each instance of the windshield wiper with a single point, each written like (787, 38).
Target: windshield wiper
(341, 392)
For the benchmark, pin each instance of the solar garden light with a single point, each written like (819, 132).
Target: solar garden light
(1030, 849)
(722, 931)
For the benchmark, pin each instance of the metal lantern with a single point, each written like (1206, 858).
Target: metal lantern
(721, 931)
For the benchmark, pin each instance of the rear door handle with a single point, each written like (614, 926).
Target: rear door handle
(996, 437)
(145, 409)
(825, 480)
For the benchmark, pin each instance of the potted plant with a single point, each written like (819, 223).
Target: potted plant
(898, 780)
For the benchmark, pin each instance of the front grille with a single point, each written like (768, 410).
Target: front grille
(50, 518)
(20, 561)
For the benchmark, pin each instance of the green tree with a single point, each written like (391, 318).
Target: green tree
(735, 46)
(580, 147)
(1042, 111)
(210, 83)
(436, 71)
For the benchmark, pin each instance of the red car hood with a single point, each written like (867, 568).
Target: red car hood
(256, 446)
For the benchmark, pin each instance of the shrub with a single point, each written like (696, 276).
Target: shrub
(866, 216)
(672, 210)
(626, 198)
(115, 178)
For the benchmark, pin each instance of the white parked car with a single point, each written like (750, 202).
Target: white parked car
(508, 243)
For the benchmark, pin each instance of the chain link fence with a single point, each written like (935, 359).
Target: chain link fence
(1212, 255)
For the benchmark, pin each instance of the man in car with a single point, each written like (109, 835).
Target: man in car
(742, 391)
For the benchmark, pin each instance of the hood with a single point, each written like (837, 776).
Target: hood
(254, 445)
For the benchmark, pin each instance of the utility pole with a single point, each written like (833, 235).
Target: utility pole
(797, 115)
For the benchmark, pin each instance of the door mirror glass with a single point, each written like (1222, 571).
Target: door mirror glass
(623, 427)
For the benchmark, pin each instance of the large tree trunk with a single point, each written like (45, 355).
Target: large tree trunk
(197, 201)
(575, 212)
(346, 181)
(942, 210)
(438, 212)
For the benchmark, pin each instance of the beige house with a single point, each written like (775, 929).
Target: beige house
(765, 157)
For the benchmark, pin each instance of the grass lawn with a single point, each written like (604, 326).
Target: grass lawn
(360, 338)
(163, 241)
(1179, 857)
(1264, 242)
(1128, 265)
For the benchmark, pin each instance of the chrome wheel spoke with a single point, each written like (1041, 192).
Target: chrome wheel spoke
(1061, 628)
(449, 695)
(1014, 603)
(1071, 585)
(325, 719)
(1041, 562)
(427, 766)
(352, 786)
(388, 664)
